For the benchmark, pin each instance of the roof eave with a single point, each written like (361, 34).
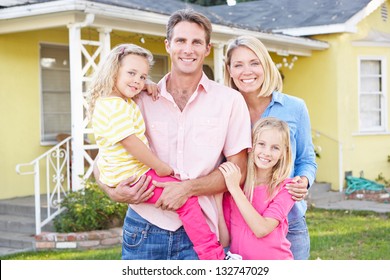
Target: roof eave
(63, 12)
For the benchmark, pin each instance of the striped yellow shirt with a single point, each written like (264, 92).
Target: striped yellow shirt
(113, 120)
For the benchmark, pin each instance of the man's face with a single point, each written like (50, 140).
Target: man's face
(187, 48)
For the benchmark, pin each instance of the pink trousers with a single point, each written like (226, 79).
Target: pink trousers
(205, 242)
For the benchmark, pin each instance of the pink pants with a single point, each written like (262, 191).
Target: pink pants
(205, 242)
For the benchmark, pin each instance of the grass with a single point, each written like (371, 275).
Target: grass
(334, 234)
(349, 235)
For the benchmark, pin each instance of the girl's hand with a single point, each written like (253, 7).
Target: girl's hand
(232, 175)
(152, 89)
(164, 170)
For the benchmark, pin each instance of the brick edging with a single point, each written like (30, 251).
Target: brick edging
(79, 240)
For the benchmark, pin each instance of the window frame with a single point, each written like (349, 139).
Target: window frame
(65, 47)
(382, 94)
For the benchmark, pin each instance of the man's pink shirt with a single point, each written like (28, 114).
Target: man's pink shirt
(214, 124)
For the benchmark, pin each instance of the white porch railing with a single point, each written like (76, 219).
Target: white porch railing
(55, 165)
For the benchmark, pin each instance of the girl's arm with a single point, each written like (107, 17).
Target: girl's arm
(260, 226)
(224, 236)
(139, 150)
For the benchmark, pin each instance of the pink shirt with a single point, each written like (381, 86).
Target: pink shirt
(215, 123)
(273, 246)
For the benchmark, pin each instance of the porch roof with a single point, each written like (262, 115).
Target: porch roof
(138, 16)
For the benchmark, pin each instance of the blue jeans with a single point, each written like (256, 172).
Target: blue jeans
(298, 235)
(145, 241)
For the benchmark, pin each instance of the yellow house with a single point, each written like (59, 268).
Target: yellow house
(345, 86)
(48, 49)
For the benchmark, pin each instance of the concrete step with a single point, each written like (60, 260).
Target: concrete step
(22, 206)
(4, 251)
(17, 224)
(17, 240)
(12, 223)
(321, 193)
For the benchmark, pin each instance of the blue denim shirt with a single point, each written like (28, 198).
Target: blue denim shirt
(293, 110)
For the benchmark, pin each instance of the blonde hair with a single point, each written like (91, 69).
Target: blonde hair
(272, 78)
(282, 169)
(103, 80)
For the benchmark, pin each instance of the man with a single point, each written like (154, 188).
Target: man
(194, 125)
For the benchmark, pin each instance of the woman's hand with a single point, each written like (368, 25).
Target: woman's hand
(298, 188)
(232, 174)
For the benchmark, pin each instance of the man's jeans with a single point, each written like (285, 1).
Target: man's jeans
(144, 241)
(298, 235)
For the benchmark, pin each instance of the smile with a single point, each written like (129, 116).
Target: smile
(188, 59)
(248, 81)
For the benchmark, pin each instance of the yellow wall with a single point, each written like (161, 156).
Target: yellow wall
(328, 82)
(20, 106)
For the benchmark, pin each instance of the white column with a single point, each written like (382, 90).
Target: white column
(218, 63)
(76, 105)
(105, 39)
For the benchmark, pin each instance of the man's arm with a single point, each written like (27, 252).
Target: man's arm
(175, 194)
(123, 193)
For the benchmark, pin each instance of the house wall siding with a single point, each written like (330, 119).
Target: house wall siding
(20, 106)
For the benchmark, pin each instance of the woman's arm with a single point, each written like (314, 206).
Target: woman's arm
(260, 226)
(139, 150)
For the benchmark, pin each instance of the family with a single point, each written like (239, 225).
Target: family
(209, 171)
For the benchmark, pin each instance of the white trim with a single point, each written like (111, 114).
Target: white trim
(373, 133)
(383, 128)
(317, 30)
(371, 44)
(218, 63)
(64, 12)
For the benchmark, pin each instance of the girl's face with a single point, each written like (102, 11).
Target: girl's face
(268, 149)
(132, 75)
(246, 70)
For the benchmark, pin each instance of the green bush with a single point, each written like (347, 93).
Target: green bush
(89, 209)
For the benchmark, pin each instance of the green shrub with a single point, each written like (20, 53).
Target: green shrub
(89, 209)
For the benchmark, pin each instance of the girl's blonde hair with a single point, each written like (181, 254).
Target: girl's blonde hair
(282, 169)
(272, 78)
(103, 80)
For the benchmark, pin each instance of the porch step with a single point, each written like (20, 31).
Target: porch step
(320, 194)
(15, 240)
(17, 224)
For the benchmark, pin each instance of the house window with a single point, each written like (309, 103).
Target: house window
(55, 92)
(372, 108)
(159, 69)
(55, 77)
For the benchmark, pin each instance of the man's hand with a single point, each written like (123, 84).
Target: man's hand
(298, 189)
(135, 194)
(173, 197)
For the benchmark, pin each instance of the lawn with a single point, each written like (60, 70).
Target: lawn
(335, 235)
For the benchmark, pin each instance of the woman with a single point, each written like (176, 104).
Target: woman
(250, 70)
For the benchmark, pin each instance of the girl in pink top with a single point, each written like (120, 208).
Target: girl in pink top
(255, 218)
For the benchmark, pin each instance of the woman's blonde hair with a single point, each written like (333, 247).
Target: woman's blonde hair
(103, 80)
(272, 78)
(282, 169)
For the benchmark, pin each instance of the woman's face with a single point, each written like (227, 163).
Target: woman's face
(246, 70)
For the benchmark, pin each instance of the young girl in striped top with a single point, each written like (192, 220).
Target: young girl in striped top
(124, 151)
